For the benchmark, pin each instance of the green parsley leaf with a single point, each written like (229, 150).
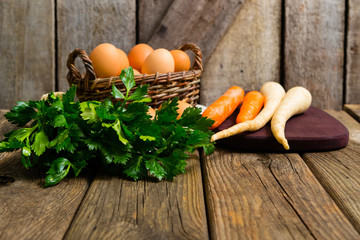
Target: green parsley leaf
(155, 169)
(88, 110)
(58, 104)
(208, 148)
(41, 143)
(93, 144)
(21, 114)
(22, 133)
(25, 160)
(78, 166)
(168, 112)
(147, 138)
(192, 117)
(116, 93)
(69, 96)
(139, 94)
(9, 145)
(60, 121)
(117, 127)
(174, 164)
(26, 151)
(127, 77)
(61, 141)
(106, 110)
(58, 170)
(135, 168)
(135, 111)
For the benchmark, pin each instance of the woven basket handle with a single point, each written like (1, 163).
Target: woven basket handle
(197, 52)
(74, 73)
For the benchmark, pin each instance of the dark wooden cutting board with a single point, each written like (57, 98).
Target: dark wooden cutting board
(314, 130)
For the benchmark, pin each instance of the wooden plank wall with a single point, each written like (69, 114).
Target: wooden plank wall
(27, 50)
(246, 42)
(314, 49)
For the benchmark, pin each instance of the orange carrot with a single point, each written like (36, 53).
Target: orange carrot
(224, 106)
(251, 106)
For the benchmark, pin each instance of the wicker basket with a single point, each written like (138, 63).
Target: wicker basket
(185, 85)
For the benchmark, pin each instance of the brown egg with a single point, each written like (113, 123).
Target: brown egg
(151, 112)
(136, 72)
(124, 63)
(138, 54)
(160, 60)
(182, 60)
(182, 106)
(106, 60)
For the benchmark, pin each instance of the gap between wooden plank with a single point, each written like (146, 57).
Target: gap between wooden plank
(345, 43)
(56, 46)
(201, 154)
(353, 52)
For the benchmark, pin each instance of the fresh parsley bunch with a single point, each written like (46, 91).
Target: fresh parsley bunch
(62, 134)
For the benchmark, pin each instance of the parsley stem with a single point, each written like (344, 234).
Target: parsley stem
(122, 105)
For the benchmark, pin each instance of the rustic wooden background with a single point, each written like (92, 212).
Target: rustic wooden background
(315, 44)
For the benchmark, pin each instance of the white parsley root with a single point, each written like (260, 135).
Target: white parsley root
(297, 100)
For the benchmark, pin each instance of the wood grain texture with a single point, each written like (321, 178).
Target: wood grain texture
(201, 22)
(149, 15)
(314, 49)
(353, 53)
(353, 110)
(269, 196)
(27, 53)
(85, 24)
(348, 121)
(29, 211)
(339, 171)
(115, 208)
(249, 53)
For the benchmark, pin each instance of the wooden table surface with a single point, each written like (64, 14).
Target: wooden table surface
(227, 195)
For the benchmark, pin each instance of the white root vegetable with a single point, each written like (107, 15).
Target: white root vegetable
(45, 96)
(273, 94)
(297, 100)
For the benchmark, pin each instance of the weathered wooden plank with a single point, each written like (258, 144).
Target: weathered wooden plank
(115, 208)
(29, 211)
(269, 196)
(350, 123)
(201, 22)
(353, 53)
(249, 53)
(353, 110)
(149, 15)
(27, 62)
(339, 171)
(314, 49)
(85, 24)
